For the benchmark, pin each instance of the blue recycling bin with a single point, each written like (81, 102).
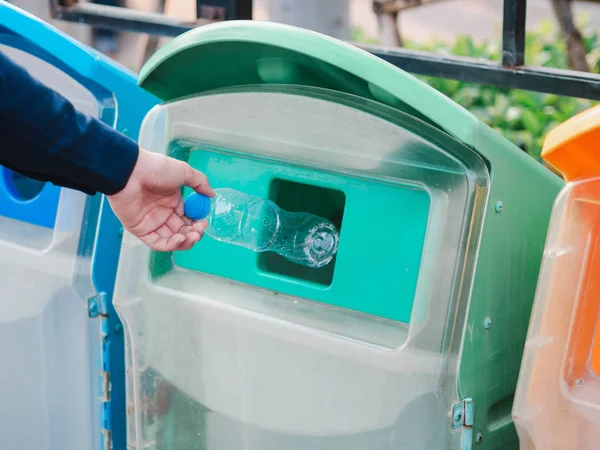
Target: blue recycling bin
(61, 354)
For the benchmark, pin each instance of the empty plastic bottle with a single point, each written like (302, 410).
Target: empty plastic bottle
(260, 225)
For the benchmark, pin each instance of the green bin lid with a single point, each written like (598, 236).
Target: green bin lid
(242, 53)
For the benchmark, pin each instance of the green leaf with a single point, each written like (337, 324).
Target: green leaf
(525, 98)
(484, 115)
(466, 96)
(464, 46)
(502, 102)
(531, 122)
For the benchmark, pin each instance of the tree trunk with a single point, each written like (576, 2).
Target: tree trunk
(387, 25)
(576, 51)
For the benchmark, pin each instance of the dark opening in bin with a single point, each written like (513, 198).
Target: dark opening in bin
(298, 197)
(22, 188)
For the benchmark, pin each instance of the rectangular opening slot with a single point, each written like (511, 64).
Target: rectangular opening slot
(298, 197)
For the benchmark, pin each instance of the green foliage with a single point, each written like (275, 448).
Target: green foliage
(524, 117)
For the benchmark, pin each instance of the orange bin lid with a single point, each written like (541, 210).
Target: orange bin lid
(573, 148)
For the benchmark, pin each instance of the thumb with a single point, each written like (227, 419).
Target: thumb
(197, 181)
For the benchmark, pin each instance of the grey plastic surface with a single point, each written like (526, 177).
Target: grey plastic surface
(49, 347)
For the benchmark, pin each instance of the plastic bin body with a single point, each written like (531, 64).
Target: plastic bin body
(58, 254)
(228, 349)
(558, 398)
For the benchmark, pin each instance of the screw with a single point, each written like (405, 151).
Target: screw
(499, 207)
(457, 417)
(478, 439)
(118, 328)
(579, 382)
(487, 323)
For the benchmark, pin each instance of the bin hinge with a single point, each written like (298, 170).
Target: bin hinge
(462, 417)
(97, 310)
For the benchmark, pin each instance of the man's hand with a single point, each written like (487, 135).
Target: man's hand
(151, 207)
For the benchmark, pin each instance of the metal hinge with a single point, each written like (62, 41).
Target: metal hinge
(97, 310)
(462, 417)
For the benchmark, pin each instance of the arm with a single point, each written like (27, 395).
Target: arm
(44, 137)
(56, 143)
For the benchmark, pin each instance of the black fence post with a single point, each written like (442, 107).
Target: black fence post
(513, 33)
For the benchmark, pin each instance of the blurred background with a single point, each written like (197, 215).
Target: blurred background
(560, 34)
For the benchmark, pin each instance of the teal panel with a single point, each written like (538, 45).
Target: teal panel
(382, 235)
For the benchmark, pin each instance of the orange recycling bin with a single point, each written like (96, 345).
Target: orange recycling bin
(557, 404)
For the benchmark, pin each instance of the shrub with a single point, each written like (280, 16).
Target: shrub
(524, 117)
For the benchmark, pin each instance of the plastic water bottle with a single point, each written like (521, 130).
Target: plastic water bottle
(260, 225)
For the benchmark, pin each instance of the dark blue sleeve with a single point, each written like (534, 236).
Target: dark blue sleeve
(42, 136)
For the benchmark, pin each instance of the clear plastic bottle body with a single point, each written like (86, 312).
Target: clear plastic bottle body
(260, 225)
(241, 219)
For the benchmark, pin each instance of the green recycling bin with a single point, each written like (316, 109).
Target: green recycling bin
(411, 338)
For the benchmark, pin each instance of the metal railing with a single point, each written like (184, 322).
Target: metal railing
(509, 73)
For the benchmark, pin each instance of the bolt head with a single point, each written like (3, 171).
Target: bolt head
(478, 438)
(487, 323)
(499, 207)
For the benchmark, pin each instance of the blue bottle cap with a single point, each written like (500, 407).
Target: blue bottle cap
(196, 206)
